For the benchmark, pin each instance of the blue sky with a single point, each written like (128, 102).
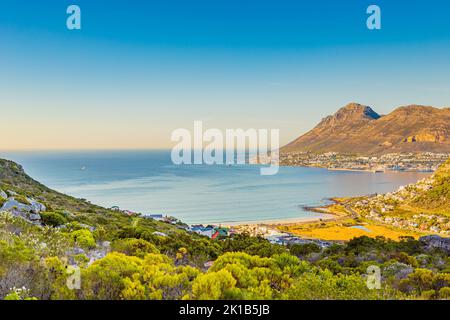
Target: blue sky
(139, 69)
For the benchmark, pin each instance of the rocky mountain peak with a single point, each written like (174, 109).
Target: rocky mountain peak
(350, 114)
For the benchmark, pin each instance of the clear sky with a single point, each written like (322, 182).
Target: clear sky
(137, 70)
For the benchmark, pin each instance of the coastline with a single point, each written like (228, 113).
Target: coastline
(324, 215)
(358, 170)
(279, 222)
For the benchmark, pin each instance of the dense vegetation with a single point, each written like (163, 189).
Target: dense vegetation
(437, 198)
(129, 257)
(34, 263)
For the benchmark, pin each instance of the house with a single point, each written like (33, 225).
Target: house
(222, 232)
(170, 220)
(158, 217)
(128, 212)
(207, 231)
(215, 235)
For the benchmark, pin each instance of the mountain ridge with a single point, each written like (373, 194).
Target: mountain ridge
(357, 128)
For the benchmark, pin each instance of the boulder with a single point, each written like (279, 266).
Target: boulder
(12, 204)
(34, 217)
(36, 206)
(86, 226)
(78, 250)
(434, 241)
(106, 244)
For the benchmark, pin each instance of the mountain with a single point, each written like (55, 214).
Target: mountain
(357, 128)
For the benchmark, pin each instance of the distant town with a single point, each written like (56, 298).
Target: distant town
(423, 162)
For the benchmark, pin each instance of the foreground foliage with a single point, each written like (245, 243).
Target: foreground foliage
(118, 256)
(36, 259)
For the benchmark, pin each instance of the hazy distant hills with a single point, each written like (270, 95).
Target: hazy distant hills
(356, 128)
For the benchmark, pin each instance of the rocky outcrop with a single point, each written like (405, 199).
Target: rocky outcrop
(29, 211)
(437, 242)
(12, 204)
(37, 206)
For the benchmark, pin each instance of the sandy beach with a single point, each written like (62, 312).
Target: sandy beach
(323, 214)
(279, 222)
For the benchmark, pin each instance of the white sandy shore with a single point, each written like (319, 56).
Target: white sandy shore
(279, 222)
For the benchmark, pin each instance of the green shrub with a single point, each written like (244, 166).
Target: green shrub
(444, 293)
(83, 238)
(53, 219)
(304, 249)
(134, 247)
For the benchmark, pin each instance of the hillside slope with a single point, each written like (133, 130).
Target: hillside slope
(437, 196)
(422, 206)
(358, 129)
(14, 180)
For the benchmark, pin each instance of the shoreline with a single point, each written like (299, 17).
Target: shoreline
(279, 222)
(359, 170)
(324, 215)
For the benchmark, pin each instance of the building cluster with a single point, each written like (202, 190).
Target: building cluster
(210, 231)
(275, 236)
(382, 208)
(424, 162)
(218, 232)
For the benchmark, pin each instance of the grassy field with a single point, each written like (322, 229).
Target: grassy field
(345, 228)
(343, 232)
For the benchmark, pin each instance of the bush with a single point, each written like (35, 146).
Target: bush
(323, 285)
(53, 219)
(251, 245)
(304, 249)
(444, 293)
(83, 238)
(134, 247)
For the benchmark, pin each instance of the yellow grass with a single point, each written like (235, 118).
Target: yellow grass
(339, 232)
(340, 229)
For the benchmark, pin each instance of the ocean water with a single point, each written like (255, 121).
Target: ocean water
(148, 182)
